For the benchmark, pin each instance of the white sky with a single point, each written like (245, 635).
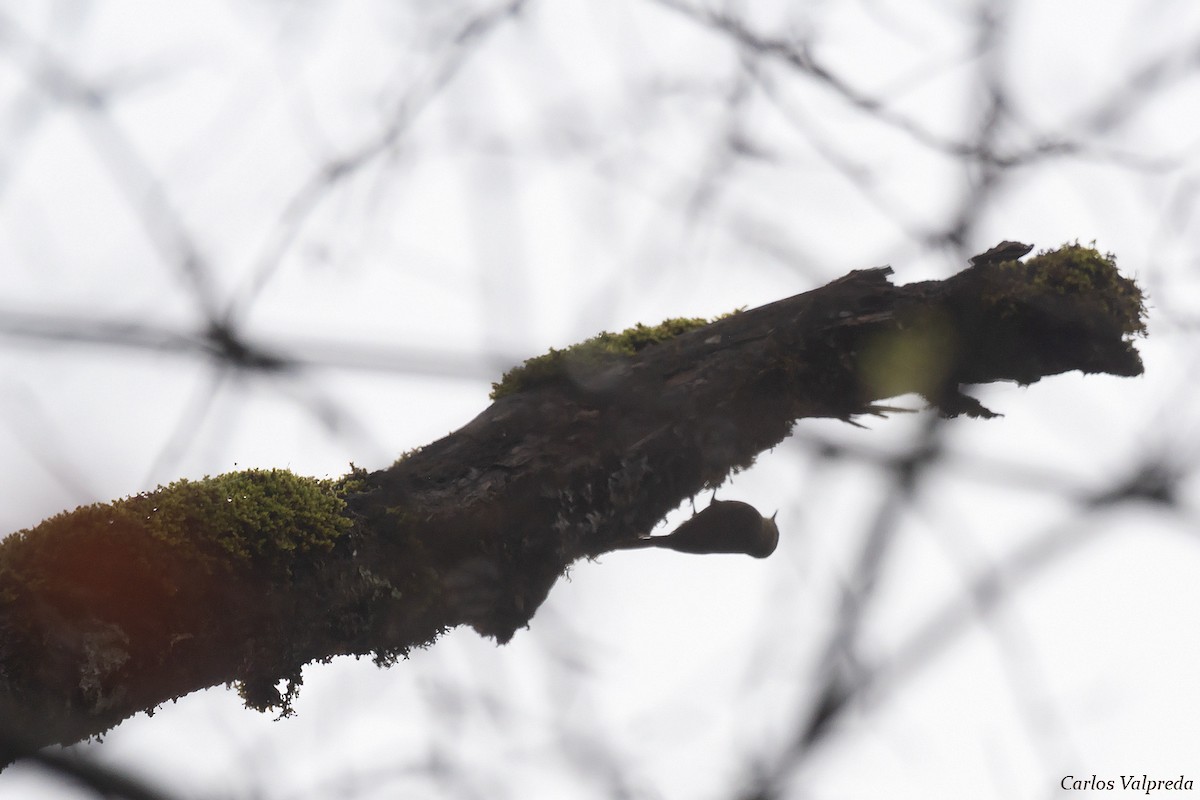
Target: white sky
(573, 175)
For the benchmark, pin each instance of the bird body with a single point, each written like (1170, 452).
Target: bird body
(726, 526)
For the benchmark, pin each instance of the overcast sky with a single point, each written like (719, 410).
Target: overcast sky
(403, 199)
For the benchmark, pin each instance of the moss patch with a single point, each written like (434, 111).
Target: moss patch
(184, 574)
(253, 514)
(1080, 273)
(598, 352)
(259, 517)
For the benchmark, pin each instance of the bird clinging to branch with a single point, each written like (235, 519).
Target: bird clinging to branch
(726, 526)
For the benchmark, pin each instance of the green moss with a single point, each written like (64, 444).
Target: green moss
(250, 514)
(353, 482)
(262, 516)
(602, 350)
(407, 454)
(1080, 272)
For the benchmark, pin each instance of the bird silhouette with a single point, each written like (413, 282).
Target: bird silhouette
(726, 526)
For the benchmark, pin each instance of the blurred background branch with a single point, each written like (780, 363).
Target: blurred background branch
(297, 234)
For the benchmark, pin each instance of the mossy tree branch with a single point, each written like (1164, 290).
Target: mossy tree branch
(113, 609)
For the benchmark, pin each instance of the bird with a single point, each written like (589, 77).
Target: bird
(725, 526)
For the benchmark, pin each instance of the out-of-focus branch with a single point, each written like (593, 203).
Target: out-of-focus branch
(238, 351)
(466, 41)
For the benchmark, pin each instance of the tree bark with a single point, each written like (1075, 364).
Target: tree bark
(113, 609)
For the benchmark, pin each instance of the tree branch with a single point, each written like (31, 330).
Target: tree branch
(115, 608)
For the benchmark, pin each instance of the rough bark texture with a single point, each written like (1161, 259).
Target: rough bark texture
(113, 609)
